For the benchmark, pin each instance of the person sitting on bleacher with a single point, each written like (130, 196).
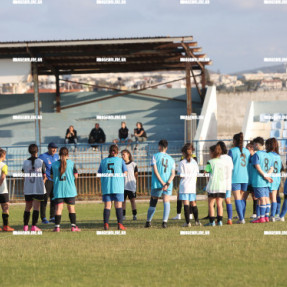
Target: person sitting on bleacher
(123, 134)
(71, 136)
(139, 134)
(97, 135)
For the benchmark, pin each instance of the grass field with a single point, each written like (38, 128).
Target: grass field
(237, 255)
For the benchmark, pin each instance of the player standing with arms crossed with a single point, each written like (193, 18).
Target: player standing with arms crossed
(260, 181)
(34, 186)
(163, 172)
(112, 171)
(4, 195)
(188, 170)
(64, 173)
(240, 157)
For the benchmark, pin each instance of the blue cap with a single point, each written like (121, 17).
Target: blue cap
(52, 145)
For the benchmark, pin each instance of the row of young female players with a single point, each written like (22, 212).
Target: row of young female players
(238, 168)
(114, 188)
(241, 171)
(246, 175)
(252, 170)
(64, 173)
(261, 177)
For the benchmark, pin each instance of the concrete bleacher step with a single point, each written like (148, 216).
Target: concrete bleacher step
(160, 117)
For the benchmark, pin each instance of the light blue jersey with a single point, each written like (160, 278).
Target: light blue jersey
(277, 165)
(263, 159)
(64, 186)
(115, 167)
(240, 163)
(251, 170)
(165, 164)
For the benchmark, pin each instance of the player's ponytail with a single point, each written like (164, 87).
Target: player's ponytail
(63, 154)
(223, 147)
(272, 145)
(268, 145)
(187, 151)
(113, 151)
(238, 142)
(33, 150)
(215, 150)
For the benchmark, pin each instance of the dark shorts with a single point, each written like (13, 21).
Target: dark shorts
(4, 197)
(31, 197)
(130, 194)
(216, 195)
(250, 189)
(67, 200)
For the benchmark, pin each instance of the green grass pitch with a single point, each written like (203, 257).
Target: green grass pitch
(237, 255)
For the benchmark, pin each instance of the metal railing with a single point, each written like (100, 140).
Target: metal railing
(87, 159)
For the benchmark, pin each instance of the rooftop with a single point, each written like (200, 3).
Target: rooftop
(81, 56)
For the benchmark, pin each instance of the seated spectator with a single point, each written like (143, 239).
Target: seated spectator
(123, 134)
(139, 134)
(97, 135)
(71, 136)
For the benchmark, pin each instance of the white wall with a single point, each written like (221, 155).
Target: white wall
(13, 72)
(207, 126)
(248, 121)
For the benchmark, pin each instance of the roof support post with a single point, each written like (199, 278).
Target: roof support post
(58, 95)
(36, 105)
(188, 130)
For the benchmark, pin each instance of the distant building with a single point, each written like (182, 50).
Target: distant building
(255, 77)
(271, 84)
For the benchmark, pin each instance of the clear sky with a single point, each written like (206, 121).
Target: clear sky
(235, 34)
